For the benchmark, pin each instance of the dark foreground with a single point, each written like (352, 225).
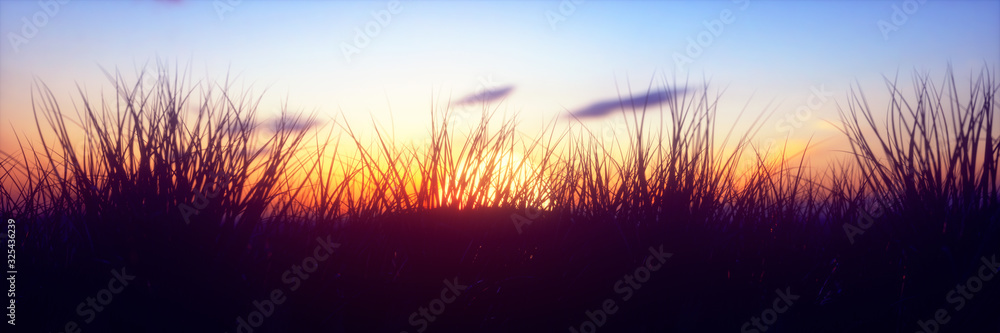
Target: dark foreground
(472, 271)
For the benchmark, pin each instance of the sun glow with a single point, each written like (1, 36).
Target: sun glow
(494, 180)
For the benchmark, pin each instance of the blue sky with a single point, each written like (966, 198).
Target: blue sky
(774, 51)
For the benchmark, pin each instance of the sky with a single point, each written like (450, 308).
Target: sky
(390, 61)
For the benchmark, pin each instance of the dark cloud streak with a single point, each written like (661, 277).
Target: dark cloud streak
(488, 95)
(605, 107)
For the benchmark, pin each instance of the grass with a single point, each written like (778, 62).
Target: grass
(180, 183)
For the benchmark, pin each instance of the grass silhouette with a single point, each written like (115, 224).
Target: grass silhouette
(177, 183)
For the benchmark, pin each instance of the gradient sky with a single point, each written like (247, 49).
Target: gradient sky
(774, 51)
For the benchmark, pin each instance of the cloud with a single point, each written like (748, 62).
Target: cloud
(603, 108)
(487, 95)
(292, 124)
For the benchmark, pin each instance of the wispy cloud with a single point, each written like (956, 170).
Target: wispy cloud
(487, 95)
(605, 107)
(292, 124)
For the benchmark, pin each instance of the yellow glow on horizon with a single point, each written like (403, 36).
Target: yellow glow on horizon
(488, 178)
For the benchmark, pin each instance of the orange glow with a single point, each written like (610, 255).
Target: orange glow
(481, 182)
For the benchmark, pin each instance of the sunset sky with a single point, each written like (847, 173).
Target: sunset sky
(558, 56)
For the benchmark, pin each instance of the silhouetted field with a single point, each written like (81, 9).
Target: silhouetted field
(227, 228)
